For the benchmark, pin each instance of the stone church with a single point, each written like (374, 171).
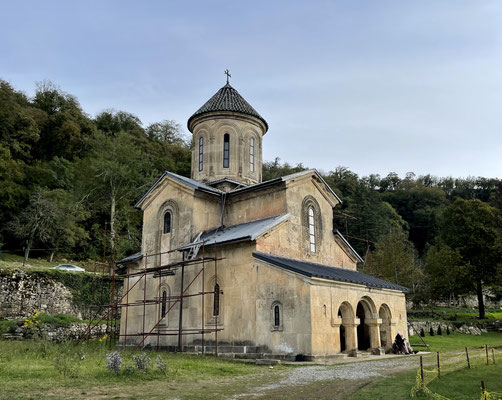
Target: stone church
(264, 271)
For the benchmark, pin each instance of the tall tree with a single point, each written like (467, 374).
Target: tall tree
(473, 229)
(36, 222)
(395, 258)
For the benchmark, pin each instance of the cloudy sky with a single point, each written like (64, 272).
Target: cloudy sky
(375, 86)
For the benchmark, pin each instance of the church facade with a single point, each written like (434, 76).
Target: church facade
(263, 269)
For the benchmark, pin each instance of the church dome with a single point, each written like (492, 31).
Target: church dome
(227, 99)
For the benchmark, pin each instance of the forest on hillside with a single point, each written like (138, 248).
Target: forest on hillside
(69, 182)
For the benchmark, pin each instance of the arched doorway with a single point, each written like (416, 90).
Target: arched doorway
(366, 335)
(385, 334)
(346, 315)
(363, 332)
(343, 345)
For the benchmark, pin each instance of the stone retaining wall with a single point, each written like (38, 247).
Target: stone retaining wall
(21, 293)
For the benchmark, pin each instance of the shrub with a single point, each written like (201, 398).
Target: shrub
(422, 332)
(447, 330)
(161, 365)
(67, 363)
(431, 331)
(142, 362)
(440, 332)
(113, 362)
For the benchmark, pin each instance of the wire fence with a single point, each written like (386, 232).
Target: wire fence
(446, 363)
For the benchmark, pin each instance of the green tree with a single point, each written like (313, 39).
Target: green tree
(445, 276)
(113, 177)
(472, 228)
(36, 222)
(395, 258)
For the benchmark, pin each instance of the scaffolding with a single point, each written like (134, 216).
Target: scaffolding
(121, 306)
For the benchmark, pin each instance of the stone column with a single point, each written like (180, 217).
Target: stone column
(374, 327)
(336, 323)
(350, 325)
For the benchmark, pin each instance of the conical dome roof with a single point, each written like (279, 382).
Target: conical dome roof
(227, 99)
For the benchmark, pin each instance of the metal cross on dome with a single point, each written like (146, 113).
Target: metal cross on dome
(227, 73)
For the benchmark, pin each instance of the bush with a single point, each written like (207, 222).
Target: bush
(422, 332)
(142, 362)
(67, 363)
(431, 331)
(161, 365)
(440, 332)
(447, 330)
(113, 362)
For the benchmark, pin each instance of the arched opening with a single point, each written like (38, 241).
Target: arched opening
(201, 153)
(363, 331)
(277, 315)
(343, 344)
(312, 229)
(251, 155)
(226, 150)
(164, 303)
(216, 300)
(346, 314)
(167, 222)
(385, 334)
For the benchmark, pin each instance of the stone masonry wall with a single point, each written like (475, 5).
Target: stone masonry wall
(21, 293)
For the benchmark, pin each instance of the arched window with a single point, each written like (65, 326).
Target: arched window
(251, 155)
(164, 303)
(167, 222)
(201, 153)
(277, 315)
(226, 150)
(216, 300)
(312, 229)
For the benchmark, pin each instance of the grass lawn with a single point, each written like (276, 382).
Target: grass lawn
(29, 369)
(458, 341)
(453, 314)
(12, 261)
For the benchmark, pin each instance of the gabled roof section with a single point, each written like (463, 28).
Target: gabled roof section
(338, 234)
(181, 179)
(130, 259)
(314, 270)
(287, 178)
(247, 231)
(226, 180)
(227, 99)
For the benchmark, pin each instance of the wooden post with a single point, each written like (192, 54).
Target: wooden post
(486, 348)
(483, 391)
(467, 355)
(493, 356)
(439, 367)
(421, 371)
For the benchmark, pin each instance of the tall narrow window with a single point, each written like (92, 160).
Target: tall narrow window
(277, 315)
(201, 153)
(164, 303)
(226, 150)
(216, 300)
(251, 155)
(167, 222)
(312, 229)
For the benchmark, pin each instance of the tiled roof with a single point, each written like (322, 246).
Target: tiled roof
(227, 99)
(247, 231)
(327, 272)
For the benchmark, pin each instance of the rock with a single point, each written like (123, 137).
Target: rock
(266, 361)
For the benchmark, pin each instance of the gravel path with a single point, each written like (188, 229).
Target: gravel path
(352, 371)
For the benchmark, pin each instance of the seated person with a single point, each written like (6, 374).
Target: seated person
(400, 345)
